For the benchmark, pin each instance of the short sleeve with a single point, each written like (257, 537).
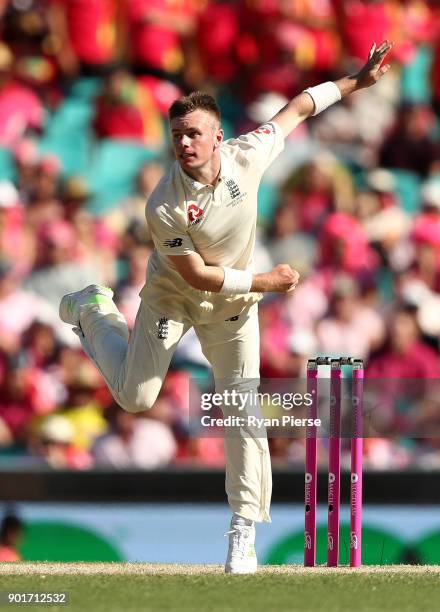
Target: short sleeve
(168, 230)
(263, 144)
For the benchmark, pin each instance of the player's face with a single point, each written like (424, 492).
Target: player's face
(196, 138)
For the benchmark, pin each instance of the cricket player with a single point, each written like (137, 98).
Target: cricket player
(202, 217)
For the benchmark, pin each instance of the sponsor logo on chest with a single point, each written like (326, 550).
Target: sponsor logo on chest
(195, 214)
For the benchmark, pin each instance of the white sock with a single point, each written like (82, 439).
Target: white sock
(240, 520)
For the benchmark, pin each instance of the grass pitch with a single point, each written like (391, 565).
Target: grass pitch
(132, 587)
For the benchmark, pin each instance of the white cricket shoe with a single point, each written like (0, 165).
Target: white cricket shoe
(71, 303)
(241, 557)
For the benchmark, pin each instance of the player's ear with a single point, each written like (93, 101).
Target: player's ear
(218, 139)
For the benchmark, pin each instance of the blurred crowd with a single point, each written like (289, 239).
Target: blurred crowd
(353, 203)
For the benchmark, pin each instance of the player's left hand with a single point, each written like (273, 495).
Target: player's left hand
(373, 69)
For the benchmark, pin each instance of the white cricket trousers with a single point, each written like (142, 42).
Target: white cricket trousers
(134, 367)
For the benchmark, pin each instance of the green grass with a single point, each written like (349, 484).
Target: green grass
(127, 588)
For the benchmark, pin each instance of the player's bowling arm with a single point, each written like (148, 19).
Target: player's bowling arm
(291, 115)
(196, 273)
(314, 100)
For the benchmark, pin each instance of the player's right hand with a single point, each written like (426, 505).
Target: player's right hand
(373, 69)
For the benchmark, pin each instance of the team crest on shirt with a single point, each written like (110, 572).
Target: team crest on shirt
(162, 328)
(234, 192)
(233, 188)
(195, 214)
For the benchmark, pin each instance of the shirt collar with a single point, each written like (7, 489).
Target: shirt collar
(226, 166)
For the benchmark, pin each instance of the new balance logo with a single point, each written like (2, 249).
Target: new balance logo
(175, 242)
(162, 328)
(234, 190)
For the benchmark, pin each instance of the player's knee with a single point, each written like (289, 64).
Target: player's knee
(137, 400)
(132, 407)
(136, 404)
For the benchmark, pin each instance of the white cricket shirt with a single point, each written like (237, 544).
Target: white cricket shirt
(219, 223)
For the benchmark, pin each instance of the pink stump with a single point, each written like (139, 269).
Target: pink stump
(334, 465)
(311, 472)
(356, 467)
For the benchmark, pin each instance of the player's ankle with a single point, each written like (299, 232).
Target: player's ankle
(241, 520)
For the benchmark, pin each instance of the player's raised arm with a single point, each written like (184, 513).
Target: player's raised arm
(314, 100)
(195, 272)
